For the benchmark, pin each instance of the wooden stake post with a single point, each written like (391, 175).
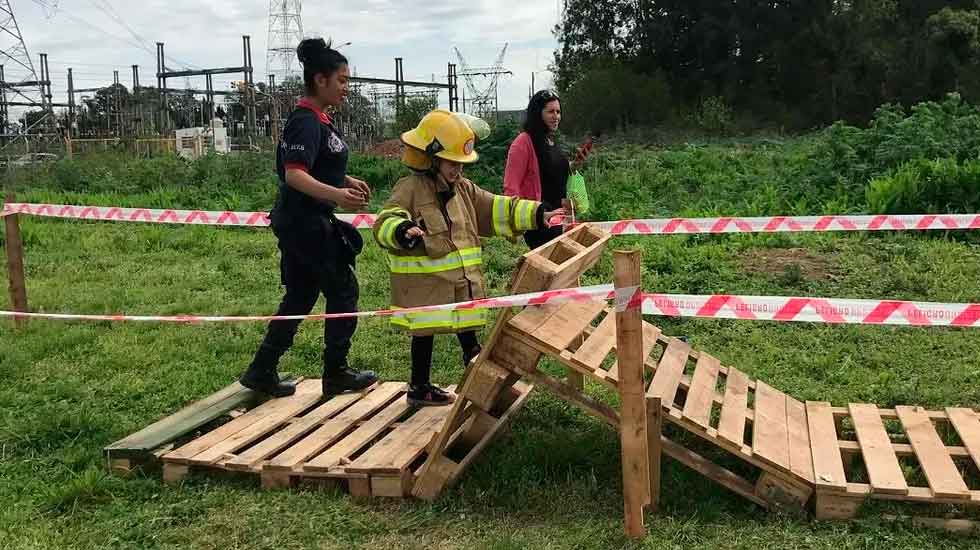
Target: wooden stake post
(633, 423)
(14, 247)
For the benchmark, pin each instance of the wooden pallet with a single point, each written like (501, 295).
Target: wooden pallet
(370, 442)
(491, 380)
(863, 452)
(145, 447)
(750, 420)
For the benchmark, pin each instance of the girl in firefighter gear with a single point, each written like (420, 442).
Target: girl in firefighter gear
(431, 227)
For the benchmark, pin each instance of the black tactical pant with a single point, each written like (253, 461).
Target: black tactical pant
(311, 263)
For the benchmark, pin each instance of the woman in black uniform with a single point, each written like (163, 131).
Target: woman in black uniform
(316, 249)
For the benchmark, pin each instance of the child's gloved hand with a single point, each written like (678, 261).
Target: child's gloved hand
(415, 233)
(555, 217)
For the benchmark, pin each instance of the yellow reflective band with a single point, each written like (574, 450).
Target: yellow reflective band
(394, 211)
(466, 257)
(453, 320)
(525, 215)
(501, 216)
(386, 236)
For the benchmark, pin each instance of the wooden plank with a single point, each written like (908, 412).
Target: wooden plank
(669, 373)
(596, 408)
(332, 430)
(260, 427)
(398, 449)
(183, 421)
(901, 449)
(655, 419)
(633, 415)
(731, 426)
(915, 494)
(884, 471)
(298, 429)
(887, 414)
(488, 380)
(212, 438)
(943, 477)
(449, 471)
(650, 339)
(967, 424)
(360, 437)
(511, 353)
(770, 434)
(828, 468)
(598, 345)
(567, 324)
(532, 317)
(701, 394)
(800, 457)
(724, 477)
(14, 248)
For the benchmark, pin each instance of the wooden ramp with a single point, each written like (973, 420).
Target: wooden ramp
(792, 450)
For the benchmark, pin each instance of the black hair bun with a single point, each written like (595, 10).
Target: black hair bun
(310, 49)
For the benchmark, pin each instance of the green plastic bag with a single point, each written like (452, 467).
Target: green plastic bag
(578, 194)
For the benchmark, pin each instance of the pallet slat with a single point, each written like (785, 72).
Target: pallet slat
(669, 372)
(598, 345)
(296, 430)
(568, 323)
(359, 438)
(828, 468)
(967, 424)
(335, 428)
(212, 438)
(402, 446)
(944, 479)
(260, 427)
(701, 394)
(800, 457)
(880, 460)
(650, 339)
(770, 434)
(731, 426)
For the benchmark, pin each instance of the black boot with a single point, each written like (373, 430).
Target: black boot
(262, 377)
(345, 379)
(427, 395)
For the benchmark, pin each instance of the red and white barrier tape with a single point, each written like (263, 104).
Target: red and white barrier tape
(756, 308)
(791, 224)
(583, 294)
(813, 310)
(152, 215)
(653, 226)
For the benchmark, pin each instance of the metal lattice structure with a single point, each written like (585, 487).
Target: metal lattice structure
(285, 33)
(483, 99)
(19, 82)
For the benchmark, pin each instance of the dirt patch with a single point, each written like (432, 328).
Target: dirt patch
(789, 262)
(391, 149)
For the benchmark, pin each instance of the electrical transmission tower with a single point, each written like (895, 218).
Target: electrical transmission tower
(285, 33)
(483, 100)
(19, 84)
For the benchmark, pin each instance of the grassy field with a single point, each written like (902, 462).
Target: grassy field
(68, 389)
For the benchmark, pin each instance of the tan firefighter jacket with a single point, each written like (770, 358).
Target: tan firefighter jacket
(446, 267)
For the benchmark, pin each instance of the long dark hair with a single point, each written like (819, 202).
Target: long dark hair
(318, 57)
(535, 127)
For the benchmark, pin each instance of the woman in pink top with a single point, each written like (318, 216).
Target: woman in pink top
(537, 168)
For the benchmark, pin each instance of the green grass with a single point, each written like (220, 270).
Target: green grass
(68, 389)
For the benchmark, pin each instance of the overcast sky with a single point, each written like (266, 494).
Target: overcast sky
(88, 36)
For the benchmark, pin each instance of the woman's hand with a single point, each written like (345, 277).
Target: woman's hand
(349, 198)
(359, 185)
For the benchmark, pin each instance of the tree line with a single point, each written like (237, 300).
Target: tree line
(789, 63)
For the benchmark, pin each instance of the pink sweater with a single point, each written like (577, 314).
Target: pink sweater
(521, 175)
